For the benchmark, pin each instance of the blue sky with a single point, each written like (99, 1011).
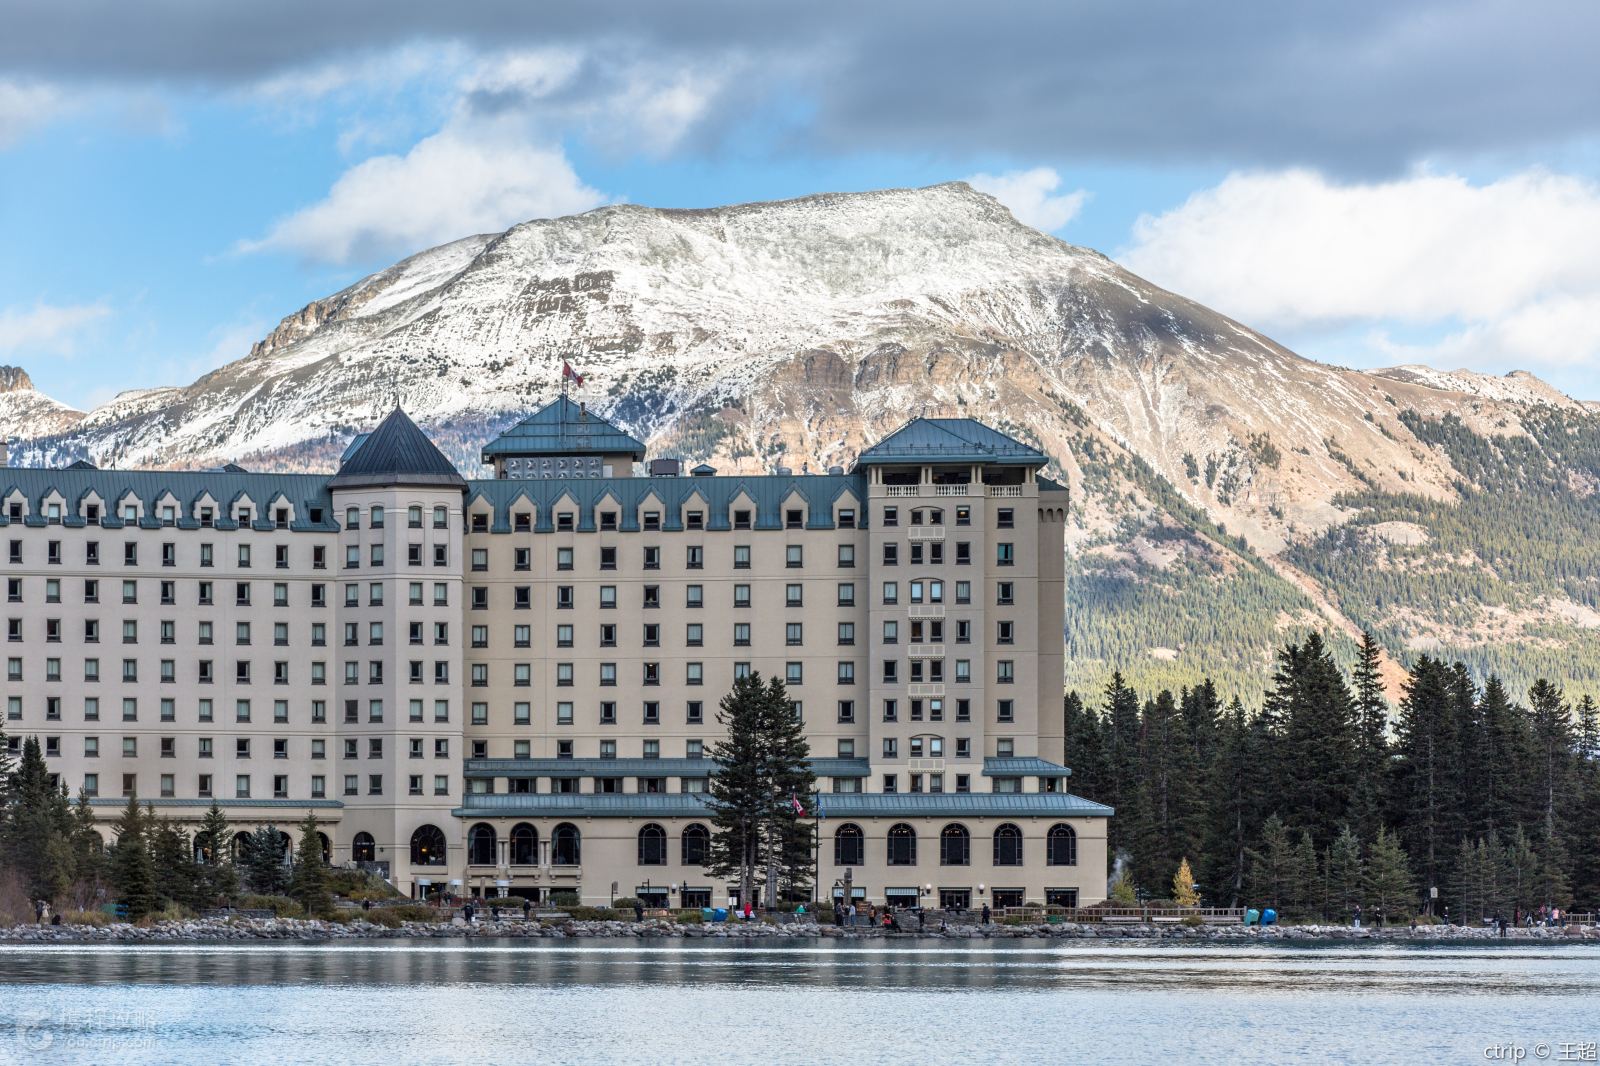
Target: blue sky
(1379, 184)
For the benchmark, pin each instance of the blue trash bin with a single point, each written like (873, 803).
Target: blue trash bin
(1269, 916)
(720, 914)
(1252, 917)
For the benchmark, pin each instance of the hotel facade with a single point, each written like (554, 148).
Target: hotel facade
(509, 686)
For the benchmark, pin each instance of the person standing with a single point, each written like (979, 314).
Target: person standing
(638, 910)
(1358, 916)
(985, 914)
(527, 906)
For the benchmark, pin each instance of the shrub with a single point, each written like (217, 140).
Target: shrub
(280, 906)
(564, 900)
(86, 918)
(690, 917)
(1193, 921)
(623, 903)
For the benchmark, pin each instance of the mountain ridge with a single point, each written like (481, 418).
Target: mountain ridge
(791, 333)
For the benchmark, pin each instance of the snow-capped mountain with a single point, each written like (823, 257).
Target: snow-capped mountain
(792, 333)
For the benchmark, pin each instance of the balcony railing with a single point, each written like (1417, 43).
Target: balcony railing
(1005, 491)
(902, 490)
(952, 490)
(925, 533)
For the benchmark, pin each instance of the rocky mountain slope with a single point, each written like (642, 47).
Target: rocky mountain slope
(1202, 455)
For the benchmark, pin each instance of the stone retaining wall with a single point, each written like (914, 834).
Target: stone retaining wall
(256, 929)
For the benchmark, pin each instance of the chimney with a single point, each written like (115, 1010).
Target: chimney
(583, 411)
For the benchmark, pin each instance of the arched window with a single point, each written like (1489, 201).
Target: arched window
(427, 846)
(902, 845)
(696, 845)
(441, 517)
(524, 842)
(1008, 845)
(566, 846)
(955, 846)
(414, 516)
(652, 846)
(326, 848)
(1061, 846)
(482, 845)
(241, 846)
(352, 518)
(377, 516)
(849, 847)
(363, 848)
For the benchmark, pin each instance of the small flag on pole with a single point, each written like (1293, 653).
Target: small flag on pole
(820, 813)
(570, 374)
(796, 804)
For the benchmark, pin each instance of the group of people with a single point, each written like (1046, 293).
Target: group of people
(469, 910)
(847, 914)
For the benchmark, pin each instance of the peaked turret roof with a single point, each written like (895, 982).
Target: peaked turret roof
(396, 453)
(950, 440)
(561, 427)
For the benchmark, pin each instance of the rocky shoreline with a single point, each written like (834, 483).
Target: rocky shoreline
(212, 930)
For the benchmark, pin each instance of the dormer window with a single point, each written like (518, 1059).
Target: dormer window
(281, 518)
(205, 517)
(130, 512)
(92, 512)
(246, 516)
(564, 521)
(608, 520)
(695, 520)
(741, 520)
(847, 518)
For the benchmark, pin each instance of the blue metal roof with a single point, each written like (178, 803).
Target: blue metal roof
(819, 493)
(1029, 765)
(562, 427)
(396, 453)
(302, 491)
(950, 440)
(835, 805)
(489, 768)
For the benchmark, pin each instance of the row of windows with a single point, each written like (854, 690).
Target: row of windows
(205, 747)
(244, 786)
(955, 845)
(243, 593)
(243, 710)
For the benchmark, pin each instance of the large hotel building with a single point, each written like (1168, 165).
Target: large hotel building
(510, 685)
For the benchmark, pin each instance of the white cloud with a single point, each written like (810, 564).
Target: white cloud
(25, 106)
(460, 181)
(1031, 195)
(1505, 271)
(51, 327)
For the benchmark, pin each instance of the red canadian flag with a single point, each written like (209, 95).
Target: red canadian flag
(571, 374)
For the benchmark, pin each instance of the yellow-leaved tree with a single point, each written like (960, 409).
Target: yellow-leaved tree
(1183, 893)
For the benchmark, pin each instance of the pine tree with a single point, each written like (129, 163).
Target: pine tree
(762, 771)
(171, 860)
(1232, 810)
(1121, 761)
(131, 872)
(264, 861)
(1391, 891)
(309, 885)
(1424, 803)
(218, 878)
(1160, 831)
(1585, 817)
(1083, 748)
(1521, 865)
(1306, 891)
(1553, 741)
(1371, 712)
(1183, 892)
(741, 797)
(789, 839)
(1274, 876)
(1319, 751)
(1503, 741)
(1346, 874)
(38, 827)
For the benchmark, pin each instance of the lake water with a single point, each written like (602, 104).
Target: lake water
(882, 1002)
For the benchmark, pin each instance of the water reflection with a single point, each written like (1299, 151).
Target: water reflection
(490, 1001)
